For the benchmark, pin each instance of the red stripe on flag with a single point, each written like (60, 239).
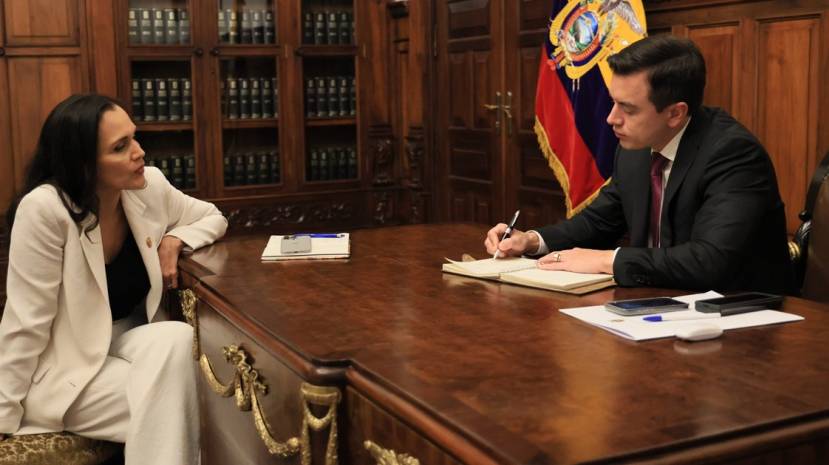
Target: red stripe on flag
(555, 113)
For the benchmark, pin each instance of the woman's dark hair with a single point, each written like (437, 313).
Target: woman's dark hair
(675, 67)
(67, 156)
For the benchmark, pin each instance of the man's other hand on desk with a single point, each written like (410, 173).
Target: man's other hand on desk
(579, 261)
(516, 245)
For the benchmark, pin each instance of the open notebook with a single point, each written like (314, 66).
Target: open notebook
(321, 248)
(523, 271)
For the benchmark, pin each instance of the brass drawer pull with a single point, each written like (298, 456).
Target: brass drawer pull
(388, 456)
(189, 301)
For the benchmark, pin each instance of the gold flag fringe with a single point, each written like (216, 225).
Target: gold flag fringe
(560, 173)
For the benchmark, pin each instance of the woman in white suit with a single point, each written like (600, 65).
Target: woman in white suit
(95, 239)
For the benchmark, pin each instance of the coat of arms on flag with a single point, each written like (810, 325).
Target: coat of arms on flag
(572, 101)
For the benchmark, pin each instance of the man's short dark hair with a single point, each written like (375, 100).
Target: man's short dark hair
(675, 67)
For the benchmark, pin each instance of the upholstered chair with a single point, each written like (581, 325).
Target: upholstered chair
(58, 448)
(810, 248)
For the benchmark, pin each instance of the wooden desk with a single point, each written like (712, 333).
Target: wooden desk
(456, 370)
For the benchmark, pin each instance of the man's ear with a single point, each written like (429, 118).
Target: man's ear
(676, 114)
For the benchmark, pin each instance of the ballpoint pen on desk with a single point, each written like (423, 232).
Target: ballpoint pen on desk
(702, 316)
(319, 235)
(507, 231)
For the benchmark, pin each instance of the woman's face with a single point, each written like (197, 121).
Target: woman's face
(120, 158)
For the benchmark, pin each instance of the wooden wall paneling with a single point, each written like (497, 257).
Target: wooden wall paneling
(720, 46)
(42, 22)
(101, 50)
(6, 157)
(823, 90)
(36, 85)
(787, 104)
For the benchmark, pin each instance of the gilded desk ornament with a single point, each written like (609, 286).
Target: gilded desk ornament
(244, 387)
(189, 301)
(325, 396)
(388, 456)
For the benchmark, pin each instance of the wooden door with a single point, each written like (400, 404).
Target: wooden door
(529, 182)
(469, 79)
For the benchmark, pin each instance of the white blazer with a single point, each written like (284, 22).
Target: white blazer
(57, 323)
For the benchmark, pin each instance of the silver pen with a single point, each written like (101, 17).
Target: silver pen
(507, 231)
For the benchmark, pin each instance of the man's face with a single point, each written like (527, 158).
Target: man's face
(634, 118)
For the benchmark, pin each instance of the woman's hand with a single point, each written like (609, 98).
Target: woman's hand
(168, 252)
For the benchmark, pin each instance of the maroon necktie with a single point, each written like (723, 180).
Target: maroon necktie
(658, 163)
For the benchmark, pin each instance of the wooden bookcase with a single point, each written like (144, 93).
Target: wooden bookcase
(293, 167)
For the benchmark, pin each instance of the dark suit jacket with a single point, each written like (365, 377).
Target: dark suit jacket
(723, 224)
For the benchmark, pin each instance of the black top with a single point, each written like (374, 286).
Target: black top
(127, 279)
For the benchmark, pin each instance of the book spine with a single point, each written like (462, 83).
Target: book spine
(263, 168)
(311, 98)
(174, 91)
(332, 29)
(273, 156)
(320, 34)
(322, 98)
(158, 26)
(257, 25)
(333, 163)
(223, 89)
(238, 169)
(145, 25)
(250, 168)
(227, 164)
(177, 170)
(183, 26)
(244, 99)
(344, 97)
(353, 91)
(324, 164)
(308, 28)
(267, 98)
(164, 166)
(246, 27)
(342, 163)
(189, 171)
(148, 98)
(232, 99)
(223, 31)
(352, 163)
(171, 26)
(270, 27)
(186, 99)
(344, 28)
(314, 165)
(162, 102)
(137, 103)
(255, 99)
(333, 98)
(232, 26)
(133, 32)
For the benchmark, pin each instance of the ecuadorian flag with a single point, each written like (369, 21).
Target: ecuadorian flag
(572, 101)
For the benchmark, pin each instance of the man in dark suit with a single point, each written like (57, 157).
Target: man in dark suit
(694, 190)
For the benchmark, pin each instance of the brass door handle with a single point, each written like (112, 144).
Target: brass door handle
(508, 113)
(496, 106)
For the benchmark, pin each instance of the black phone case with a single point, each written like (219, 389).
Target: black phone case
(753, 299)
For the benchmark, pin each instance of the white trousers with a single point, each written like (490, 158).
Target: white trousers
(144, 396)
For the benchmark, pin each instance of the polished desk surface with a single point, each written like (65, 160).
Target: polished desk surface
(500, 365)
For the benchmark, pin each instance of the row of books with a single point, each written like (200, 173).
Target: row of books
(250, 98)
(180, 170)
(328, 27)
(162, 99)
(251, 168)
(246, 26)
(158, 26)
(330, 97)
(332, 163)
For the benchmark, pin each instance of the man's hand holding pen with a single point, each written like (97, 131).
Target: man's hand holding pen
(515, 245)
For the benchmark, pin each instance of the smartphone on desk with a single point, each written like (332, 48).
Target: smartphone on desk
(295, 244)
(645, 306)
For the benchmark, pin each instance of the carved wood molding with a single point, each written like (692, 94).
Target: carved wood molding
(383, 207)
(652, 6)
(4, 260)
(415, 147)
(381, 154)
(269, 215)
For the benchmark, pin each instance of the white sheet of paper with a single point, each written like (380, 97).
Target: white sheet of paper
(637, 329)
